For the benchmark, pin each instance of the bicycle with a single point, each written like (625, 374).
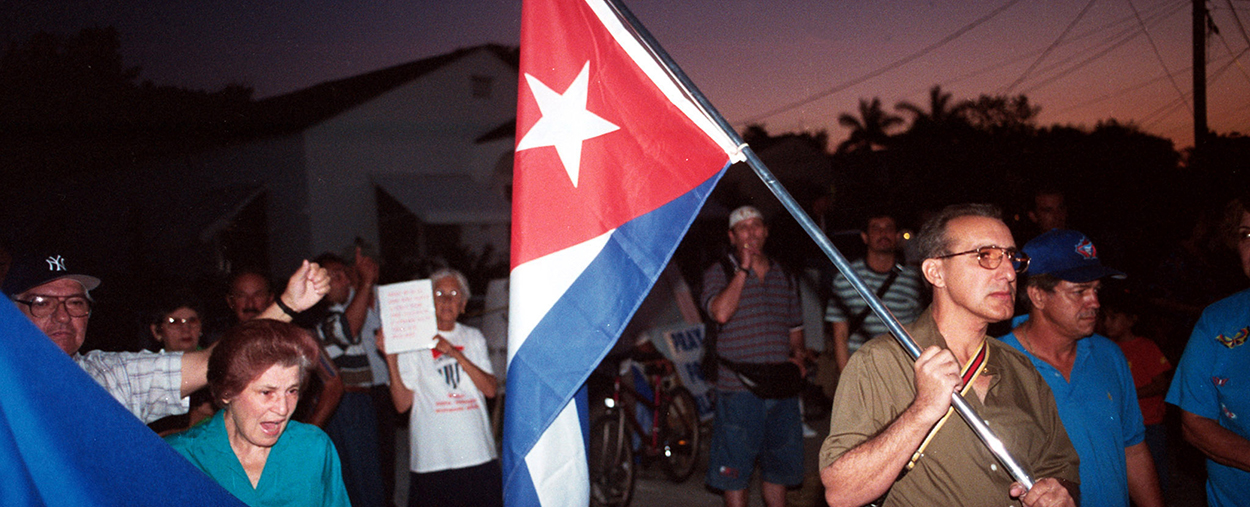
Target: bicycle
(672, 438)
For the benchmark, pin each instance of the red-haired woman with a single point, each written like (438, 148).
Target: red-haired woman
(252, 447)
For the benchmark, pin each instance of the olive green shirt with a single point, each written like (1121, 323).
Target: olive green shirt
(956, 469)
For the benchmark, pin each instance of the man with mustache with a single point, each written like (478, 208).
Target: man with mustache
(249, 295)
(1088, 374)
(850, 321)
(892, 438)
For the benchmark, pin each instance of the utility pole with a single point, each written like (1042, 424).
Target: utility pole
(1200, 73)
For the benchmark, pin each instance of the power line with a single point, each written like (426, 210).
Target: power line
(1176, 7)
(1134, 87)
(1230, 51)
(1097, 56)
(896, 64)
(1123, 91)
(1158, 56)
(1050, 48)
(1170, 107)
(1119, 38)
(1240, 27)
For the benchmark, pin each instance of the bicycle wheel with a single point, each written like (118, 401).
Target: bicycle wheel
(679, 434)
(611, 461)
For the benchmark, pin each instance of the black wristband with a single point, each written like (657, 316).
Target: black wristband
(744, 270)
(286, 309)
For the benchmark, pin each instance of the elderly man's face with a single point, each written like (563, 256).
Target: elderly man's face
(449, 302)
(65, 331)
(988, 294)
(249, 295)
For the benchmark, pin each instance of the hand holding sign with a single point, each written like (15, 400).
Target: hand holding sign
(408, 315)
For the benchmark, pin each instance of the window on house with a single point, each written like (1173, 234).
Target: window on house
(481, 86)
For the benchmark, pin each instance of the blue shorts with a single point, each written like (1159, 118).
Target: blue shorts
(748, 428)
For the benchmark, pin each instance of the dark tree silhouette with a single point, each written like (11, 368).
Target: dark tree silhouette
(68, 104)
(993, 113)
(870, 130)
(941, 112)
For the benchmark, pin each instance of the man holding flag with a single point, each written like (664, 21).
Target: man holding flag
(892, 434)
(613, 161)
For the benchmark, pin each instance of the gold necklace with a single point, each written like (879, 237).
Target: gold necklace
(1024, 340)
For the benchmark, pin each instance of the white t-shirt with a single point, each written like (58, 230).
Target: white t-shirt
(448, 427)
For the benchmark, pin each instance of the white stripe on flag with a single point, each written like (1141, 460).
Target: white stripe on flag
(538, 284)
(558, 460)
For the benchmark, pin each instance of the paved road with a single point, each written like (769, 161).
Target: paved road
(653, 489)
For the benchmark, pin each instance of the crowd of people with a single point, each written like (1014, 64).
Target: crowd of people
(292, 402)
(297, 400)
(1075, 387)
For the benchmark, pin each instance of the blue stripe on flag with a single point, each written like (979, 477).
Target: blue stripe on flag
(65, 441)
(581, 328)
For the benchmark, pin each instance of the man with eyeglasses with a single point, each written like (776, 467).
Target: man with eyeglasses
(151, 385)
(893, 438)
(1086, 372)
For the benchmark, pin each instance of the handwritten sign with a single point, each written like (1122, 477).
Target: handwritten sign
(408, 315)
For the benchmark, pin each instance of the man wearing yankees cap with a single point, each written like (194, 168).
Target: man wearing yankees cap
(57, 299)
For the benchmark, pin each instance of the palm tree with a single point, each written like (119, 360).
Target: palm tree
(870, 130)
(940, 113)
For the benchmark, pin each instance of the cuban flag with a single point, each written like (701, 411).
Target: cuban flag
(64, 441)
(613, 161)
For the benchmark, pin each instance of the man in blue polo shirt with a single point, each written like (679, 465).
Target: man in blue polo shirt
(1090, 379)
(1212, 383)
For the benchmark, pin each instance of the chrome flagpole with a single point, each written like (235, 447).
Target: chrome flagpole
(978, 425)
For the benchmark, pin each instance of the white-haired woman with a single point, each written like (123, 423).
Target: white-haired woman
(452, 448)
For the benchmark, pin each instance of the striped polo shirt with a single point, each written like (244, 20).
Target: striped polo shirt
(902, 298)
(759, 330)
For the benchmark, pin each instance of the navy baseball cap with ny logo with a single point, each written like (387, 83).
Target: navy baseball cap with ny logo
(37, 268)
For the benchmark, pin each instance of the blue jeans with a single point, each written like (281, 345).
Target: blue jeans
(748, 428)
(354, 431)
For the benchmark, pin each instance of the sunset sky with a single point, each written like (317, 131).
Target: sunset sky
(750, 57)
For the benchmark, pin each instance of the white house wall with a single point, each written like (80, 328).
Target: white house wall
(427, 126)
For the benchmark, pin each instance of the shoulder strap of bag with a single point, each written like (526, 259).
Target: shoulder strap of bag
(969, 374)
(855, 323)
(709, 366)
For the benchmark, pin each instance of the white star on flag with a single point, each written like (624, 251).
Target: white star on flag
(565, 121)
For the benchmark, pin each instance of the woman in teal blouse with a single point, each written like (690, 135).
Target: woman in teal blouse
(252, 447)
